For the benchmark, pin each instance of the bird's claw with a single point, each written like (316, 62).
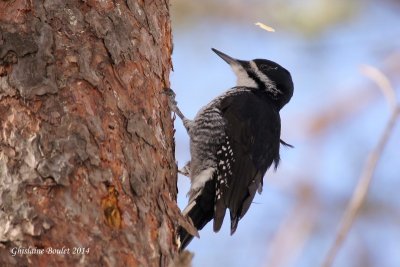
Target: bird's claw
(169, 92)
(171, 98)
(185, 170)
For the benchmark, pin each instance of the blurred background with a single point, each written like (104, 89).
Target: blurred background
(334, 120)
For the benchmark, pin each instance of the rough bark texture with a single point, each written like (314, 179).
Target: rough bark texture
(86, 138)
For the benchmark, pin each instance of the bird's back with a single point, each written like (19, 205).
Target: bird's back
(240, 132)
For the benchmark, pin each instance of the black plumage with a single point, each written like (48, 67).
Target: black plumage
(253, 127)
(235, 139)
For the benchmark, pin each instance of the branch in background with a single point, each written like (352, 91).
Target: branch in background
(344, 108)
(383, 83)
(294, 232)
(365, 179)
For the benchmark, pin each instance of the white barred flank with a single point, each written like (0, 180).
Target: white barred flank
(199, 180)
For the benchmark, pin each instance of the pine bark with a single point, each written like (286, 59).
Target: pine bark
(87, 165)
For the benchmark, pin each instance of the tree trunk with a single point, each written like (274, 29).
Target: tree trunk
(87, 170)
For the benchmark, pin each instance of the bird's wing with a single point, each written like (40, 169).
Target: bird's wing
(253, 132)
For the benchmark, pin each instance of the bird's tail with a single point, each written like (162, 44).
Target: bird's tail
(200, 210)
(199, 216)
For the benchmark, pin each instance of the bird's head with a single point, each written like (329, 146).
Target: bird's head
(262, 74)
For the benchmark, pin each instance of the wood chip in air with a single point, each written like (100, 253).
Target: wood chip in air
(265, 27)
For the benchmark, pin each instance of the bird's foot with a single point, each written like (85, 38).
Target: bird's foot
(185, 170)
(171, 99)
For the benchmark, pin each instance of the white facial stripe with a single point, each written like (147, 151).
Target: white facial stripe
(243, 78)
(271, 87)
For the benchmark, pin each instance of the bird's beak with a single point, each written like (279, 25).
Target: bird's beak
(225, 57)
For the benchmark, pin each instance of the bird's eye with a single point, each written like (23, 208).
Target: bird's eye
(268, 67)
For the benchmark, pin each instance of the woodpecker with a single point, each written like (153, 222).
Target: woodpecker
(234, 140)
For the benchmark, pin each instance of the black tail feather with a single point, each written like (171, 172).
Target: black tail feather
(285, 144)
(200, 218)
(184, 237)
(201, 213)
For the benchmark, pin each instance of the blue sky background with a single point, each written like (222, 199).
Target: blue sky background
(334, 120)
